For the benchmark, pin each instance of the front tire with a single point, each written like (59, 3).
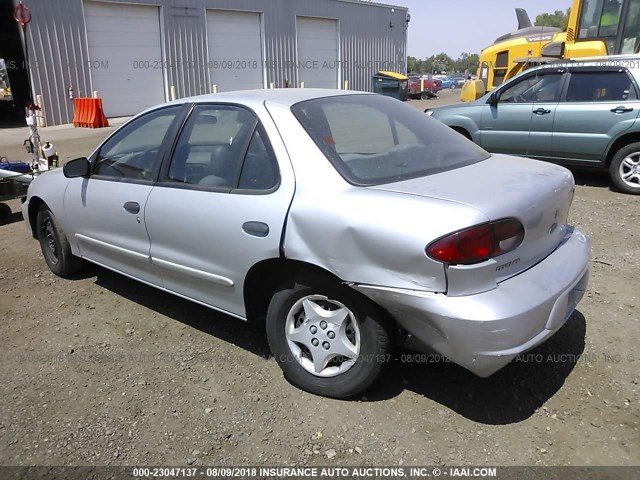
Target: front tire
(55, 246)
(625, 169)
(327, 339)
(5, 211)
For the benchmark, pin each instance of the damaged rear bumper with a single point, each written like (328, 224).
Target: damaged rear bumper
(485, 331)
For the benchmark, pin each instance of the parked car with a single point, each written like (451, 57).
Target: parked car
(574, 113)
(449, 83)
(460, 79)
(345, 221)
(423, 88)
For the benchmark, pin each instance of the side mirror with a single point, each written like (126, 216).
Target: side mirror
(79, 167)
(494, 98)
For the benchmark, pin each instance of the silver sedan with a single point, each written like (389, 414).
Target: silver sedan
(344, 221)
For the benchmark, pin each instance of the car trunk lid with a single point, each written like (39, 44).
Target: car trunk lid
(538, 194)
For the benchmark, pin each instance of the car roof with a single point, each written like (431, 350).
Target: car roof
(283, 96)
(630, 61)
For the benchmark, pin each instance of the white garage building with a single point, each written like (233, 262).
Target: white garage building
(135, 53)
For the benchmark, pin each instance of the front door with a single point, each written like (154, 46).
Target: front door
(521, 123)
(108, 208)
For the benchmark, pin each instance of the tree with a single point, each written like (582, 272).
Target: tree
(412, 65)
(467, 62)
(558, 19)
(435, 64)
(440, 63)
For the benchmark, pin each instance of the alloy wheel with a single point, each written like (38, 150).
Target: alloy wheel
(629, 170)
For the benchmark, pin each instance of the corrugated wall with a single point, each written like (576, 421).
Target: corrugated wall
(58, 55)
(58, 44)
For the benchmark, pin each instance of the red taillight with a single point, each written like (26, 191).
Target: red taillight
(477, 244)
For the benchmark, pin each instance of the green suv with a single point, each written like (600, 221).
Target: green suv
(575, 113)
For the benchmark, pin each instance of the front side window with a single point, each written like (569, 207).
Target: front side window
(612, 86)
(534, 89)
(133, 152)
(221, 147)
(372, 140)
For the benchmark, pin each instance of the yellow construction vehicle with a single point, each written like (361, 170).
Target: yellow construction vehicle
(596, 28)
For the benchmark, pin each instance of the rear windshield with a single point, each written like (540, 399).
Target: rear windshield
(372, 139)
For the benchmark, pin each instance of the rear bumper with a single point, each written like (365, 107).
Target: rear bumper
(484, 332)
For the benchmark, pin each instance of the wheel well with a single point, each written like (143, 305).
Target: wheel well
(34, 207)
(267, 277)
(619, 143)
(462, 131)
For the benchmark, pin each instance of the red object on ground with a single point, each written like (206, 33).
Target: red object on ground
(89, 113)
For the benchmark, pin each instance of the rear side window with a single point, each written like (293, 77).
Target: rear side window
(222, 147)
(211, 146)
(372, 140)
(612, 86)
(259, 171)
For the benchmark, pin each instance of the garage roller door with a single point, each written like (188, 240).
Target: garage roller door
(318, 59)
(235, 50)
(128, 38)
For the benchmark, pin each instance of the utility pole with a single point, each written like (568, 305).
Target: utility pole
(22, 15)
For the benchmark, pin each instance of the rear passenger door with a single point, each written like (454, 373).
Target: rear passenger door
(220, 205)
(599, 105)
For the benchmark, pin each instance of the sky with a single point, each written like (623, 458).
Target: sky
(456, 26)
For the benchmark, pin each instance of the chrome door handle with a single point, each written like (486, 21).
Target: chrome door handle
(131, 207)
(541, 111)
(621, 110)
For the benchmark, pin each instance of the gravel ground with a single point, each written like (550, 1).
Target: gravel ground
(101, 370)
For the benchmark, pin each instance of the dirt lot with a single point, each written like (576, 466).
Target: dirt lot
(101, 370)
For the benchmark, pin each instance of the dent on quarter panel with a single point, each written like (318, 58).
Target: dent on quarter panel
(349, 256)
(373, 237)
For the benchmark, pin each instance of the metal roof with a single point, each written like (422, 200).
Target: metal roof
(369, 2)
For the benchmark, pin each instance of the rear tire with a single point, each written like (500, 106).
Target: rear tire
(327, 339)
(55, 246)
(625, 169)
